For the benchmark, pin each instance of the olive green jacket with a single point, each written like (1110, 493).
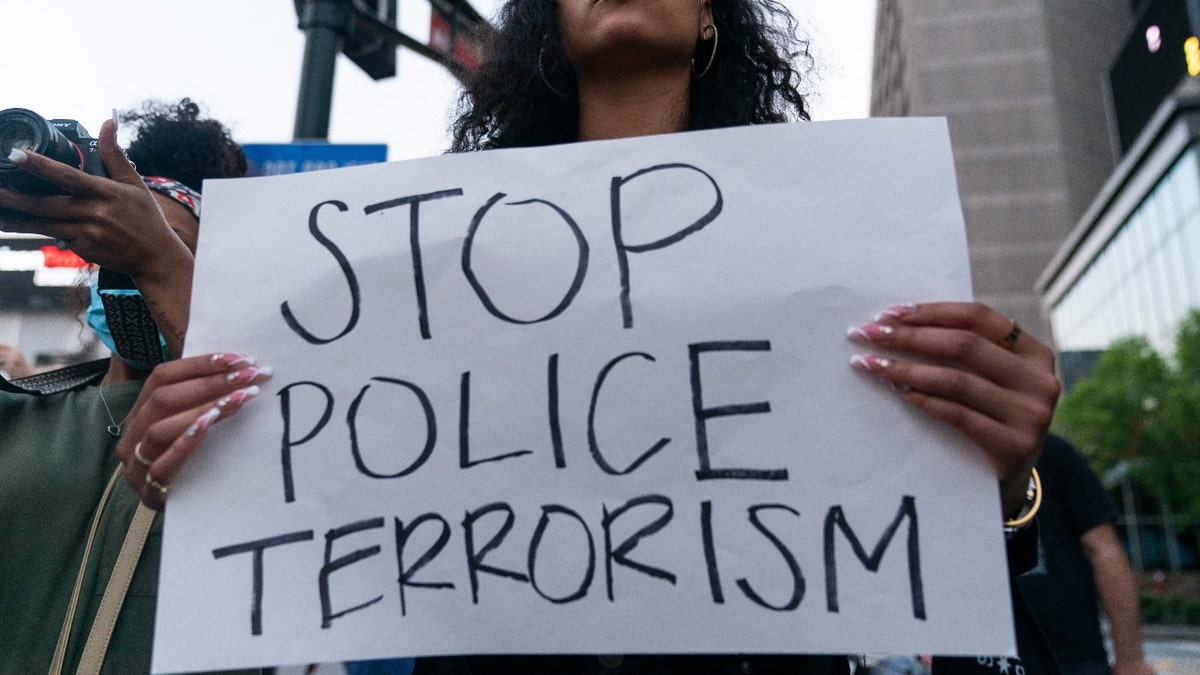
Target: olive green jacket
(56, 456)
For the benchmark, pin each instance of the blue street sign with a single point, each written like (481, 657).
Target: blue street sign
(272, 159)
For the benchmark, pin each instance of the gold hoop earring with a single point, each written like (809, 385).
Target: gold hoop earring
(545, 80)
(712, 55)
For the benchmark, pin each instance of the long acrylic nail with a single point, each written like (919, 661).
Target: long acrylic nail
(874, 332)
(238, 397)
(17, 156)
(870, 362)
(897, 311)
(204, 421)
(116, 120)
(250, 375)
(232, 359)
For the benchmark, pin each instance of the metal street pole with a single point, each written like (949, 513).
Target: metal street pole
(325, 24)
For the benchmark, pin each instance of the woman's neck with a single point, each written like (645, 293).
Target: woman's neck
(655, 103)
(119, 371)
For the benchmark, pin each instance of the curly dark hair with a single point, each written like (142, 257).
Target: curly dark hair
(174, 141)
(507, 103)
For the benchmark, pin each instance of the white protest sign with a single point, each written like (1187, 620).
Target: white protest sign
(592, 398)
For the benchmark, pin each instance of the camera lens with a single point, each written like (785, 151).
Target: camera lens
(26, 130)
(18, 136)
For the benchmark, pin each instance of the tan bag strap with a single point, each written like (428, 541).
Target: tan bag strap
(114, 593)
(60, 650)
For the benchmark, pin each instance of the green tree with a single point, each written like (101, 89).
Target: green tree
(1181, 422)
(1138, 408)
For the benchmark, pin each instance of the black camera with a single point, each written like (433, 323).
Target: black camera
(65, 141)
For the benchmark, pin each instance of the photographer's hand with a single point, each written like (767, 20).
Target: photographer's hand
(114, 222)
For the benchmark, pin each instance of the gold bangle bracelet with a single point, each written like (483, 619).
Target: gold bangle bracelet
(1033, 502)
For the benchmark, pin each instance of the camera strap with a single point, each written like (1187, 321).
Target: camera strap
(123, 321)
(58, 381)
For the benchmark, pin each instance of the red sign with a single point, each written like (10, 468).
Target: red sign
(56, 257)
(445, 38)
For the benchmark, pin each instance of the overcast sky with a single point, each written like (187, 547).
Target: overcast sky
(242, 58)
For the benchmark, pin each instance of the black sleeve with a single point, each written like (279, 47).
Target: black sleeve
(1085, 501)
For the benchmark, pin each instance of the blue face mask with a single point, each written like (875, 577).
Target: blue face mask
(132, 335)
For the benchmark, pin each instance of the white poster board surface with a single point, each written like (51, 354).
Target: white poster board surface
(592, 398)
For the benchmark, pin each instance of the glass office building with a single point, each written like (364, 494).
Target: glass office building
(1132, 264)
(1147, 276)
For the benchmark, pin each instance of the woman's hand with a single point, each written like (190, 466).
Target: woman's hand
(180, 401)
(113, 222)
(971, 367)
(13, 363)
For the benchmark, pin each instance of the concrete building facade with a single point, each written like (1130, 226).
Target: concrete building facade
(1023, 86)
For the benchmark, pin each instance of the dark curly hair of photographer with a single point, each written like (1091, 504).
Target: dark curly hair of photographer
(174, 140)
(507, 102)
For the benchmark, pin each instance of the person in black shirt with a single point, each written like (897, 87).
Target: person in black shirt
(1081, 563)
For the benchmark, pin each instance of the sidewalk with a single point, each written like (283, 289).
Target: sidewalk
(1162, 632)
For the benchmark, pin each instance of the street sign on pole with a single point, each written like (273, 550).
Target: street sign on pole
(272, 159)
(367, 32)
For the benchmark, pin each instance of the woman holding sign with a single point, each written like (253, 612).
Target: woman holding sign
(560, 71)
(581, 70)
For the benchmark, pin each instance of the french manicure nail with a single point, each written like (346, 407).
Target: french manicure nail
(234, 359)
(242, 360)
(17, 156)
(896, 311)
(249, 375)
(239, 397)
(204, 421)
(874, 332)
(870, 362)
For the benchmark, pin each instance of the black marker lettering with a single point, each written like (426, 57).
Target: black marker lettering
(702, 414)
(406, 573)
(347, 271)
(475, 560)
(556, 439)
(414, 243)
(620, 554)
(331, 566)
(464, 429)
(285, 452)
(836, 517)
(624, 249)
(594, 445)
(710, 553)
(430, 429)
(256, 570)
(581, 264)
(535, 546)
(793, 566)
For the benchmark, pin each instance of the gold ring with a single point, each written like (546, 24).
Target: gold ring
(1010, 338)
(158, 487)
(137, 455)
